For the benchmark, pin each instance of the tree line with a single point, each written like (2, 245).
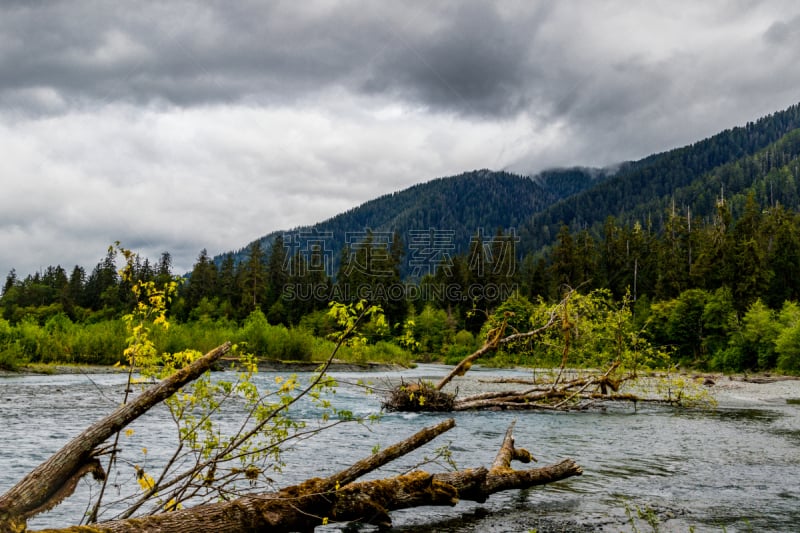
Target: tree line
(697, 285)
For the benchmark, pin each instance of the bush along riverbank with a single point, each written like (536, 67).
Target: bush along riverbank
(59, 341)
(600, 329)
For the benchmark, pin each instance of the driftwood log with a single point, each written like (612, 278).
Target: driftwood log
(559, 394)
(302, 507)
(338, 499)
(56, 478)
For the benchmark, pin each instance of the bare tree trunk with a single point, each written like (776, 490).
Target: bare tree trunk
(56, 478)
(316, 501)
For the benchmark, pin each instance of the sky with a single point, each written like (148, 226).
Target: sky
(178, 126)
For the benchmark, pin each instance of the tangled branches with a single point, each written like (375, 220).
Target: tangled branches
(419, 396)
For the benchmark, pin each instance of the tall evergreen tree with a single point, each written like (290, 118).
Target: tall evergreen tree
(228, 287)
(278, 271)
(164, 269)
(750, 274)
(102, 291)
(253, 278)
(77, 280)
(713, 266)
(564, 265)
(202, 282)
(782, 236)
(674, 258)
(586, 257)
(10, 295)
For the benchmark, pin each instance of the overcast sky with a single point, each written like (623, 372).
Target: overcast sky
(174, 126)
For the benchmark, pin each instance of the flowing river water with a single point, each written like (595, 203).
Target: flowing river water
(733, 469)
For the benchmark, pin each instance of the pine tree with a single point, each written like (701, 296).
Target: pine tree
(102, 291)
(253, 278)
(227, 287)
(713, 267)
(674, 258)
(750, 274)
(77, 281)
(202, 282)
(783, 256)
(277, 271)
(10, 295)
(563, 270)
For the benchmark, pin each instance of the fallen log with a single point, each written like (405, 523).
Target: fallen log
(318, 501)
(573, 394)
(56, 478)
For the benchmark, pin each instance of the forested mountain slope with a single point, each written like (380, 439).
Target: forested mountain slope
(480, 200)
(646, 188)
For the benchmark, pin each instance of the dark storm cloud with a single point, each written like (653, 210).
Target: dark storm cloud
(466, 57)
(481, 59)
(784, 33)
(474, 61)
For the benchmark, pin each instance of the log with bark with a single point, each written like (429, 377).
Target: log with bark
(301, 507)
(339, 498)
(56, 478)
(560, 394)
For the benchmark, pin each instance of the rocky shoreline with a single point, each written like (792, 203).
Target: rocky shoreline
(756, 389)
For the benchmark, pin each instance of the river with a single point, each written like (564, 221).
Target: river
(734, 469)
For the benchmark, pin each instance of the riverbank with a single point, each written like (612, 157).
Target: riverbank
(757, 389)
(266, 366)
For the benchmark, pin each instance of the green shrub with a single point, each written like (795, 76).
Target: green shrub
(319, 323)
(11, 356)
(454, 353)
(387, 352)
(788, 349)
(731, 359)
(6, 331)
(101, 343)
(787, 344)
(464, 338)
(297, 346)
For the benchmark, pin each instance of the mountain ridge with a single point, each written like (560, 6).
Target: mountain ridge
(536, 206)
(461, 205)
(657, 177)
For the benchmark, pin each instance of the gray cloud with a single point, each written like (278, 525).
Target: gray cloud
(468, 57)
(184, 125)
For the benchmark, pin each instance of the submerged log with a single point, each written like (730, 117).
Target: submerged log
(335, 499)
